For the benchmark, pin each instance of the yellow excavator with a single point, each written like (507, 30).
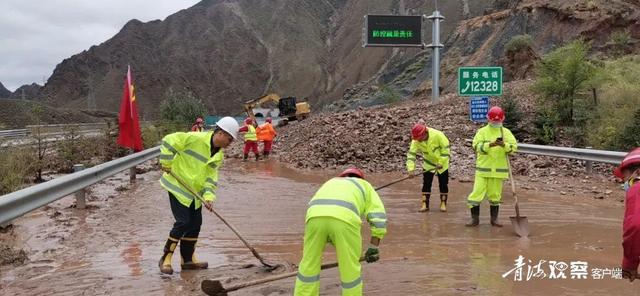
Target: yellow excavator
(289, 108)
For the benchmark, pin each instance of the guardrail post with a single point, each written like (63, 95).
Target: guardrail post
(588, 164)
(132, 174)
(80, 194)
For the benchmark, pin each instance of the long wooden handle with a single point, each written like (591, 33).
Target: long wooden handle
(277, 277)
(512, 181)
(219, 216)
(396, 181)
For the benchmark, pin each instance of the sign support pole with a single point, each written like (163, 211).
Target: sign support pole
(435, 45)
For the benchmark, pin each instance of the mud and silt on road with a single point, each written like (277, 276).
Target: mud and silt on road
(113, 247)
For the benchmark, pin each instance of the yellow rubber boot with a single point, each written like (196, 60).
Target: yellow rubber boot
(165, 260)
(443, 202)
(425, 202)
(187, 252)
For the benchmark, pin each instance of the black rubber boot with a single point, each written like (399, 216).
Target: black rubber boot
(187, 250)
(475, 217)
(494, 216)
(165, 260)
(244, 158)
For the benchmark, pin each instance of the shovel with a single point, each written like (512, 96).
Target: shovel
(253, 251)
(214, 287)
(520, 223)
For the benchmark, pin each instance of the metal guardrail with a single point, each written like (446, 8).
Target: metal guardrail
(18, 203)
(15, 133)
(604, 156)
(23, 201)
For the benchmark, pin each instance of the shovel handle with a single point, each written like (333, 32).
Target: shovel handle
(277, 277)
(512, 181)
(397, 181)
(253, 251)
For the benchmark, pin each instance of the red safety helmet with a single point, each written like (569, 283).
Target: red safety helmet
(352, 172)
(268, 119)
(248, 121)
(495, 114)
(418, 131)
(199, 120)
(632, 158)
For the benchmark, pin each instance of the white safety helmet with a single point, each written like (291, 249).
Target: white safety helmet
(229, 125)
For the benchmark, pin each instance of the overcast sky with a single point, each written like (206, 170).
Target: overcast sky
(36, 35)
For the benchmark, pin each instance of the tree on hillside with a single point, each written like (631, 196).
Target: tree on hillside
(562, 75)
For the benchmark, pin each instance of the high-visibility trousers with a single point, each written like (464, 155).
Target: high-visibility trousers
(489, 187)
(348, 242)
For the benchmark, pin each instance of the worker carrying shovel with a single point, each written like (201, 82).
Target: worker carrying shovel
(629, 172)
(195, 159)
(334, 216)
(491, 143)
(434, 146)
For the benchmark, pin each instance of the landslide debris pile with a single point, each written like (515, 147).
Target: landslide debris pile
(377, 139)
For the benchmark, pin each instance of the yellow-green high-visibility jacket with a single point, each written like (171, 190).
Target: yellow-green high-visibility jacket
(491, 162)
(348, 199)
(251, 135)
(188, 155)
(435, 150)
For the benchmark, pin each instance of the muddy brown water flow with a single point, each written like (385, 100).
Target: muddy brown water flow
(113, 248)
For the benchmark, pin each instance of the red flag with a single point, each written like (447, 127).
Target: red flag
(130, 135)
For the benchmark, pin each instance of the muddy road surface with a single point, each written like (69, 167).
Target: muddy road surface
(113, 247)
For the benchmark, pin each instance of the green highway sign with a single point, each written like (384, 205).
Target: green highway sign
(393, 30)
(480, 81)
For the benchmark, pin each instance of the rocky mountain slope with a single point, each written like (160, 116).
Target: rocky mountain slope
(227, 52)
(4, 93)
(480, 41)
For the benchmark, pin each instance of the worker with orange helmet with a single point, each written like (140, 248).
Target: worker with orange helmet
(198, 126)
(250, 139)
(434, 148)
(266, 133)
(335, 216)
(629, 172)
(492, 144)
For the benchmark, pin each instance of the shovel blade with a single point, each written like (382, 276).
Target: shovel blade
(213, 287)
(520, 225)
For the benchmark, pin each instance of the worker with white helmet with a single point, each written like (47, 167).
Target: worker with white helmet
(195, 158)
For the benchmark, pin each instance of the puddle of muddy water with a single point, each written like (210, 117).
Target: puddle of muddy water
(114, 249)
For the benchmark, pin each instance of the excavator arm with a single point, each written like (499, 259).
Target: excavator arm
(249, 105)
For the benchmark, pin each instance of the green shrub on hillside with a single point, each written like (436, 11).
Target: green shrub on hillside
(181, 107)
(518, 43)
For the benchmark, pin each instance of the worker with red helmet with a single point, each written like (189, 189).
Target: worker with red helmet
(492, 144)
(266, 133)
(629, 172)
(250, 139)
(198, 126)
(434, 148)
(335, 216)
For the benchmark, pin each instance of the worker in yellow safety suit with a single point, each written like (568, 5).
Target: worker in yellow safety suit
(434, 147)
(195, 158)
(492, 144)
(334, 216)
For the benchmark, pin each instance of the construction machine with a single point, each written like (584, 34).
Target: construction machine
(289, 108)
